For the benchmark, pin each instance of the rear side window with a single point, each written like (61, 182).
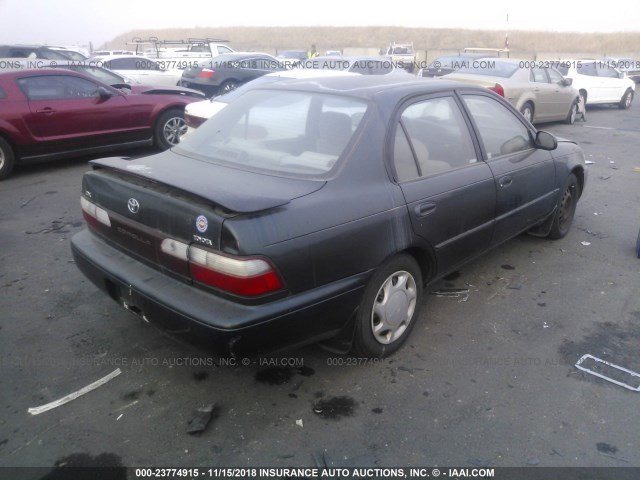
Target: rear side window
(2, 94)
(435, 134)
(587, 69)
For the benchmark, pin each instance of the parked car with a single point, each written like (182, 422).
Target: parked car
(318, 209)
(598, 82)
(141, 69)
(628, 66)
(227, 72)
(357, 64)
(49, 114)
(196, 113)
(451, 63)
(31, 52)
(292, 57)
(73, 54)
(402, 55)
(541, 94)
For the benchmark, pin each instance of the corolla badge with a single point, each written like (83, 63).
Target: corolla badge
(202, 223)
(133, 205)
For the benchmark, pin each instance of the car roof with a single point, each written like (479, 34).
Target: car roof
(368, 87)
(241, 55)
(44, 71)
(117, 57)
(301, 73)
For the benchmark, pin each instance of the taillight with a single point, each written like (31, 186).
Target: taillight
(248, 277)
(499, 89)
(94, 214)
(205, 73)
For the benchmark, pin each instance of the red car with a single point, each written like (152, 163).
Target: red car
(48, 114)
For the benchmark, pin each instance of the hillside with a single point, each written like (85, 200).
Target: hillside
(272, 39)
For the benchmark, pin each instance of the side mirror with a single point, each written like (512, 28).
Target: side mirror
(567, 82)
(545, 141)
(104, 94)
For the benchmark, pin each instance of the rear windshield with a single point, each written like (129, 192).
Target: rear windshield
(281, 132)
(491, 69)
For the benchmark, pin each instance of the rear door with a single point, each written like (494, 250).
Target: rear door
(450, 192)
(612, 86)
(524, 176)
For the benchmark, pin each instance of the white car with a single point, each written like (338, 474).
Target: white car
(598, 81)
(196, 113)
(141, 69)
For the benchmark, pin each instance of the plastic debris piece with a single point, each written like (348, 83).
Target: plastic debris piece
(608, 379)
(586, 244)
(516, 286)
(119, 416)
(450, 292)
(589, 162)
(201, 418)
(604, 177)
(300, 423)
(74, 395)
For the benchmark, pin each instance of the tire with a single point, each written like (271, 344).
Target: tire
(573, 113)
(170, 126)
(389, 308)
(625, 101)
(566, 208)
(7, 158)
(583, 99)
(527, 111)
(227, 86)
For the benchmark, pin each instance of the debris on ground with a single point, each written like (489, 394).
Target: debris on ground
(300, 423)
(200, 419)
(586, 244)
(604, 177)
(599, 365)
(74, 395)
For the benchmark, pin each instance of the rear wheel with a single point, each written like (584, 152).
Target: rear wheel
(566, 208)
(7, 158)
(170, 126)
(625, 101)
(228, 86)
(527, 111)
(389, 308)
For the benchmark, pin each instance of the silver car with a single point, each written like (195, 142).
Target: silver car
(539, 92)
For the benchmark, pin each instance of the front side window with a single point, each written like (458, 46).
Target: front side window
(434, 135)
(538, 75)
(57, 87)
(501, 132)
(280, 132)
(587, 69)
(555, 76)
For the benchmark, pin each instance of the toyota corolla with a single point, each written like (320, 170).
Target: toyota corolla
(318, 210)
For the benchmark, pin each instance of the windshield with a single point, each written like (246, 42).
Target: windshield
(281, 132)
(491, 69)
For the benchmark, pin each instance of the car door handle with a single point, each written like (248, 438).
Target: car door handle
(505, 181)
(46, 110)
(424, 209)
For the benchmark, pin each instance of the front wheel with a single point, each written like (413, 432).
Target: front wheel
(527, 111)
(573, 113)
(7, 158)
(170, 126)
(228, 86)
(389, 308)
(566, 208)
(625, 101)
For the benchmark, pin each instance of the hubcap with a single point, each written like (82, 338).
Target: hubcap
(628, 100)
(527, 113)
(393, 307)
(566, 205)
(174, 129)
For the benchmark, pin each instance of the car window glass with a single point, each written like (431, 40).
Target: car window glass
(2, 94)
(292, 133)
(439, 135)
(57, 87)
(587, 69)
(555, 76)
(537, 75)
(99, 73)
(224, 50)
(403, 159)
(607, 72)
(502, 133)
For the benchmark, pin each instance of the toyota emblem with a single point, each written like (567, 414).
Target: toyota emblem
(133, 205)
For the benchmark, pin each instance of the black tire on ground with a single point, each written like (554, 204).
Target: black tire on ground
(527, 111)
(625, 101)
(573, 113)
(227, 86)
(7, 158)
(170, 126)
(389, 308)
(566, 208)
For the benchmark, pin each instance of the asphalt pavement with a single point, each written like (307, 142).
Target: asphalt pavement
(487, 379)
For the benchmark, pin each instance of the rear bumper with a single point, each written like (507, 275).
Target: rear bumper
(206, 319)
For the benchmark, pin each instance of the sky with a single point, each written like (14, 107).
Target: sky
(74, 22)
